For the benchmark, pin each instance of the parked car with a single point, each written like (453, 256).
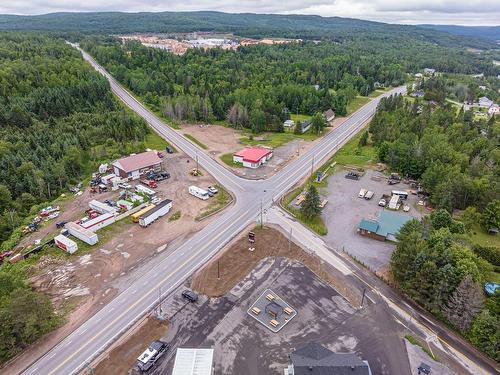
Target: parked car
(124, 185)
(190, 296)
(151, 355)
(406, 208)
(352, 176)
(212, 190)
(382, 203)
(169, 150)
(110, 202)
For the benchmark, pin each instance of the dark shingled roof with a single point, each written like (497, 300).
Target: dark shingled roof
(314, 359)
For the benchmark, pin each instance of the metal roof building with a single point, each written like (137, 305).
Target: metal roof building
(193, 362)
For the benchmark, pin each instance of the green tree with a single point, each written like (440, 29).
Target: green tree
(485, 334)
(363, 141)
(310, 208)
(5, 198)
(491, 215)
(470, 217)
(318, 123)
(441, 219)
(257, 120)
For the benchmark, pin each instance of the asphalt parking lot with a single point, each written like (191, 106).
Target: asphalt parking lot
(244, 346)
(345, 210)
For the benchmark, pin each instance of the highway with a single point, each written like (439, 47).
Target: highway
(73, 353)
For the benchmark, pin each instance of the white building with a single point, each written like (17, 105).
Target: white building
(289, 125)
(193, 362)
(252, 157)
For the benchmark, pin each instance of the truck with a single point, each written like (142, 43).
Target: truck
(99, 222)
(102, 208)
(138, 214)
(198, 193)
(369, 195)
(394, 203)
(81, 233)
(145, 190)
(65, 244)
(362, 193)
(158, 211)
(150, 183)
(151, 355)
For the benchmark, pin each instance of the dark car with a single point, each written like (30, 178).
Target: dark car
(169, 150)
(162, 176)
(60, 224)
(151, 355)
(352, 176)
(190, 296)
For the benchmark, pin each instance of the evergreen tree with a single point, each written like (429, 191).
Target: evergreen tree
(310, 207)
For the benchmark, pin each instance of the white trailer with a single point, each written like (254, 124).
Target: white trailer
(99, 222)
(145, 190)
(65, 244)
(160, 210)
(81, 233)
(198, 193)
(102, 208)
(394, 202)
(108, 178)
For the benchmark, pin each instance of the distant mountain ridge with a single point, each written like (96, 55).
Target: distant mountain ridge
(486, 32)
(246, 24)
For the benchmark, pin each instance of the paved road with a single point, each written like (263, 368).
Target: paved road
(85, 343)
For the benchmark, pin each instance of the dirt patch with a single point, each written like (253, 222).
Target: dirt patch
(124, 354)
(237, 261)
(218, 139)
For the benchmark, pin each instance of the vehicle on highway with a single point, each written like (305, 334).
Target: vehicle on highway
(190, 296)
(151, 355)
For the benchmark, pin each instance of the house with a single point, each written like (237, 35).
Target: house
(429, 71)
(418, 75)
(314, 359)
(494, 109)
(289, 125)
(193, 362)
(484, 102)
(386, 227)
(329, 116)
(304, 126)
(252, 157)
(135, 165)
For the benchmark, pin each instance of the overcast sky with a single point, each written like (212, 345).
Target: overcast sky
(461, 12)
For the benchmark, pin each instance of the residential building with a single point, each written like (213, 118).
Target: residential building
(329, 116)
(386, 227)
(484, 102)
(193, 362)
(289, 125)
(494, 109)
(305, 125)
(314, 359)
(135, 165)
(252, 157)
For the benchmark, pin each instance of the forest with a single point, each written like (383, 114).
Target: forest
(58, 117)
(257, 87)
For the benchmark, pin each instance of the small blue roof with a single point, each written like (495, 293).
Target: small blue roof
(368, 225)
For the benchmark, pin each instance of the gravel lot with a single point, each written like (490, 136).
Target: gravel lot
(345, 210)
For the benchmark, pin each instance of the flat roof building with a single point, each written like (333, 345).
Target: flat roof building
(315, 359)
(193, 362)
(252, 157)
(134, 166)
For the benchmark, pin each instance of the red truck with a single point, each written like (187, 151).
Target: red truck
(149, 183)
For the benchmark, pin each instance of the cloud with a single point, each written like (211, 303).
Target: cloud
(471, 12)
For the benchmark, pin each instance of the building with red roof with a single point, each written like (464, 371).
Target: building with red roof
(135, 165)
(252, 157)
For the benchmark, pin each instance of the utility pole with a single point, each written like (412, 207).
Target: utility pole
(290, 241)
(363, 298)
(261, 219)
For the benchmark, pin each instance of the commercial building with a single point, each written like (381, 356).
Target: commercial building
(134, 166)
(193, 362)
(316, 359)
(252, 157)
(386, 227)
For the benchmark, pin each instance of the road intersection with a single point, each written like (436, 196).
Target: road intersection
(84, 344)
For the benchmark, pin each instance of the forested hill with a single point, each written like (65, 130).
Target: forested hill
(245, 24)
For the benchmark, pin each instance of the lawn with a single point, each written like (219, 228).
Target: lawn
(194, 140)
(480, 237)
(228, 159)
(155, 142)
(351, 154)
(316, 224)
(275, 139)
(356, 104)
(217, 203)
(299, 117)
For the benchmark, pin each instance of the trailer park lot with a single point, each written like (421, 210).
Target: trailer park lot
(82, 283)
(345, 210)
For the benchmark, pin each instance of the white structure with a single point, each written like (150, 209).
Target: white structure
(99, 222)
(289, 125)
(102, 208)
(198, 193)
(394, 202)
(418, 75)
(252, 157)
(161, 209)
(429, 71)
(145, 190)
(65, 244)
(193, 362)
(81, 233)
(126, 205)
(493, 110)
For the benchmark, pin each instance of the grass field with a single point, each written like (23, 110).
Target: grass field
(228, 159)
(357, 103)
(480, 237)
(299, 117)
(275, 139)
(155, 142)
(194, 140)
